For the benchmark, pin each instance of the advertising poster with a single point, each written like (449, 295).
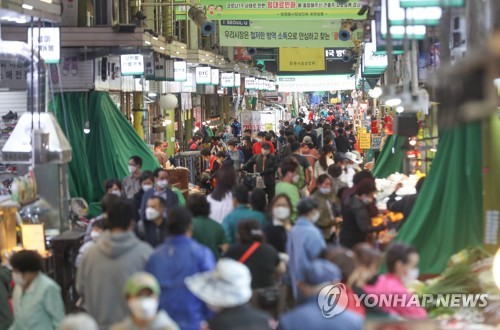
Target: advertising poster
(301, 59)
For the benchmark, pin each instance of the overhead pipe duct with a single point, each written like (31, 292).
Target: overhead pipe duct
(37, 137)
(206, 26)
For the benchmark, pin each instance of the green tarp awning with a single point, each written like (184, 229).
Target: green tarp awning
(447, 216)
(104, 152)
(390, 159)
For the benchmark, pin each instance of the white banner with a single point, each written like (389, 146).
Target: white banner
(317, 83)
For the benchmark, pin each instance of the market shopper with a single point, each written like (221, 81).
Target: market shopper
(325, 160)
(113, 187)
(246, 148)
(241, 212)
(276, 232)
(235, 155)
(227, 291)
(152, 230)
(289, 169)
(342, 142)
(146, 180)
(318, 274)
(36, 298)
(305, 242)
(305, 170)
(356, 224)
(96, 230)
(177, 258)
(105, 268)
(142, 293)
(131, 184)
(221, 199)
(206, 231)
(162, 190)
(266, 165)
(402, 266)
(78, 321)
(6, 317)
(329, 205)
(405, 203)
(335, 172)
(159, 153)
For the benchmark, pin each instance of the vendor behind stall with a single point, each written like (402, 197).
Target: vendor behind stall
(404, 204)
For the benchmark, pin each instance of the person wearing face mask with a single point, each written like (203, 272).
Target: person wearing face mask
(305, 242)
(246, 148)
(356, 224)
(162, 190)
(329, 205)
(341, 141)
(114, 187)
(235, 155)
(153, 229)
(142, 293)
(266, 164)
(335, 171)
(276, 232)
(97, 229)
(117, 254)
(402, 266)
(36, 299)
(289, 168)
(146, 181)
(325, 160)
(352, 164)
(227, 291)
(131, 184)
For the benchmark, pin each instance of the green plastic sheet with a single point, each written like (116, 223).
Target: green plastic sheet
(104, 152)
(447, 216)
(390, 159)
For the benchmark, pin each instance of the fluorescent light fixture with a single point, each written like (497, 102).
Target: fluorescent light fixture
(155, 38)
(393, 102)
(433, 149)
(414, 16)
(431, 3)
(398, 32)
(162, 48)
(147, 42)
(152, 94)
(399, 109)
(27, 7)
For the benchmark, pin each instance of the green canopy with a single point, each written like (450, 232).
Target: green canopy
(447, 216)
(390, 159)
(104, 152)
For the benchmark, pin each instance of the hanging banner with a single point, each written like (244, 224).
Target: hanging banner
(149, 67)
(227, 79)
(301, 59)
(47, 41)
(132, 65)
(315, 83)
(160, 69)
(203, 75)
(282, 10)
(250, 83)
(180, 71)
(278, 33)
(215, 77)
(237, 80)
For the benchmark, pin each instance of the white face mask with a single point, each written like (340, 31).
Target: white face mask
(131, 169)
(366, 200)
(144, 308)
(152, 214)
(259, 140)
(315, 217)
(116, 192)
(18, 278)
(94, 235)
(325, 191)
(412, 275)
(266, 152)
(350, 166)
(296, 178)
(162, 184)
(281, 212)
(147, 187)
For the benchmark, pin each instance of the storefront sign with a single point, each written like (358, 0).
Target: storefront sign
(149, 67)
(250, 83)
(315, 83)
(278, 33)
(170, 70)
(301, 59)
(365, 140)
(227, 79)
(132, 65)
(33, 237)
(334, 54)
(281, 10)
(215, 77)
(160, 68)
(47, 41)
(203, 75)
(372, 63)
(180, 71)
(376, 141)
(237, 80)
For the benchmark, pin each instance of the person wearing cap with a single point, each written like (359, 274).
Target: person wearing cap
(305, 242)
(177, 258)
(78, 321)
(227, 291)
(142, 292)
(341, 141)
(308, 131)
(317, 275)
(309, 151)
(266, 164)
(350, 168)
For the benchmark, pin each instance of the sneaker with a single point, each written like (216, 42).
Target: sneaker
(10, 116)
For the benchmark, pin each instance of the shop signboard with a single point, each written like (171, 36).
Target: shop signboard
(281, 10)
(364, 140)
(180, 71)
(278, 33)
(149, 67)
(250, 83)
(227, 79)
(203, 75)
(315, 83)
(215, 77)
(301, 59)
(160, 68)
(169, 70)
(47, 41)
(237, 80)
(376, 141)
(132, 64)
(250, 120)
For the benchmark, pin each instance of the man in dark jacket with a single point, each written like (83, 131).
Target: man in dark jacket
(161, 189)
(342, 143)
(266, 164)
(153, 229)
(404, 204)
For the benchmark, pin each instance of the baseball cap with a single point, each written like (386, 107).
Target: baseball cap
(307, 139)
(140, 281)
(322, 271)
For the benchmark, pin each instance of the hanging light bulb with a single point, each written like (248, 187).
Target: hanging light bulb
(413, 141)
(86, 128)
(391, 99)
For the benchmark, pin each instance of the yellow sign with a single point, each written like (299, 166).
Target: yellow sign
(365, 141)
(361, 130)
(301, 59)
(268, 127)
(33, 237)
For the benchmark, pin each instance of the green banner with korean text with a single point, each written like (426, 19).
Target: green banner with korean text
(283, 10)
(267, 33)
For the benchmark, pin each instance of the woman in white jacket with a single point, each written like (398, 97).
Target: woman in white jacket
(221, 199)
(325, 160)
